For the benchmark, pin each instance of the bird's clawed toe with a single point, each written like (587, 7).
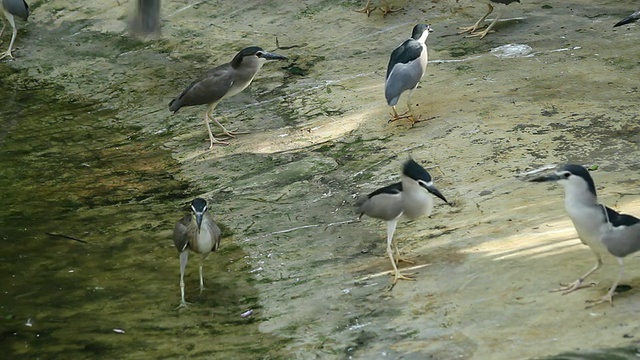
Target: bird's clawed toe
(567, 288)
(396, 117)
(367, 9)
(386, 9)
(214, 142)
(233, 133)
(480, 34)
(404, 260)
(400, 276)
(6, 55)
(183, 304)
(607, 298)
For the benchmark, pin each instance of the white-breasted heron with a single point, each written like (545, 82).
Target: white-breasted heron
(403, 200)
(605, 231)
(407, 65)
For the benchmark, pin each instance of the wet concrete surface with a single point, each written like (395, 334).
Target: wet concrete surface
(285, 192)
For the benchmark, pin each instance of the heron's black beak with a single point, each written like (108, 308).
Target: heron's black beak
(272, 56)
(545, 178)
(432, 189)
(199, 219)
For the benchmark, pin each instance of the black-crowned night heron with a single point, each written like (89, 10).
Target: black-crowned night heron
(13, 8)
(407, 65)
(472, 30)
(403, 200)
(602, 229)
(196, 232)
(629, 19)
(384, 7)
(222, 82)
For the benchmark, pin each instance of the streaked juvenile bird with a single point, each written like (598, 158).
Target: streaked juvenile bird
(403, 200)
(196, 232)
(605, 231)
(222, 82)
(407, 65)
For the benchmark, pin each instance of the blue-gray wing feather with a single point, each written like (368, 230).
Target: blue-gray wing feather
(384, 203)
(623, 236)
(404, 71)
(17, 8)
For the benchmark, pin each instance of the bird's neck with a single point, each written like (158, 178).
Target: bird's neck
(578, 203)
(423, 38)
(410, 186)
(580, 196)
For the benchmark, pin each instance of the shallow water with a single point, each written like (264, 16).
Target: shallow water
(87, 265)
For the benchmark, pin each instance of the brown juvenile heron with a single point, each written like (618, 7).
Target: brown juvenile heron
(196, 232)
(13, 8)
(222, 82)
(406, 199)
(472, 30)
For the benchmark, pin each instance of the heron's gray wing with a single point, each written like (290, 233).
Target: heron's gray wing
(207, 90)
(181, 232)
(384, 203)
(403, 77)
(408, 51)
(622, 237)
(17, 8)
(405, 72)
